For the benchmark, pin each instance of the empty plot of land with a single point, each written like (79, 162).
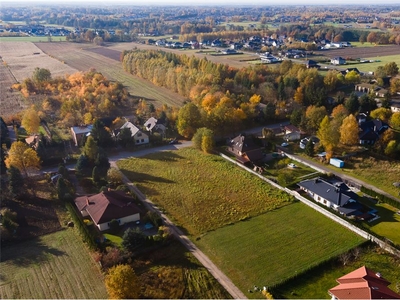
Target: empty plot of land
(54, 266)
(85, 57)
(11, 101)
(362, 52)
(275, 246)
(23, 57)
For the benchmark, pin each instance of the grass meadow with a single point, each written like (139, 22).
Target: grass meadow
(275, 246)
(54, 266)
(201, 192)
(379, 61)
(315, 284)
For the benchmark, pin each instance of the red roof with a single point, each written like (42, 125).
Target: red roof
(363, 283)
(105, 206)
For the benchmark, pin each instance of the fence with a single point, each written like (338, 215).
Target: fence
(321, 210)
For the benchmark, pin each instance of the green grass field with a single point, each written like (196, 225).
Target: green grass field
(275, 246)
(315, 284)
(54, 266)
(32, 39)
(201, 192)
(380, 61)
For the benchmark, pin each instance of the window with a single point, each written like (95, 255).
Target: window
(139, 134)
(142, 140)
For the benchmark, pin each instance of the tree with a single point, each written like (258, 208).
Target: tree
(296, 116)
(132, 239)
(189, 119)
(309, 150)
(114, 177)
(102, 162)
(41, 75)
(22, 157)
(352, 105)
(30, 120)
(340, 112)
(15, 181)
(349, 131)
(352, 77)
(62, 189)
(63, 171)
(203, 139)
(391, 69)
(395, 120)
(331, 80)
(329, 137)
(125, 137)
(82, 165)
(90, 150)
(100, 134)
(122, 283)
(314, 116)
(96, 174)
(381, 113)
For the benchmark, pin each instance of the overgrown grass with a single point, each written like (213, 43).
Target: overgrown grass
(201, 192)
(54, 266)
(275, 246)
(315, 284)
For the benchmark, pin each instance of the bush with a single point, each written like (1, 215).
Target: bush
(380, 197)
(114, 226)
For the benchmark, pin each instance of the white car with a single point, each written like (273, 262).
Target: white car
(291, 165)
(285, 144)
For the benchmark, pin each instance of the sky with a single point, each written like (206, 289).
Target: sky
(209, 2)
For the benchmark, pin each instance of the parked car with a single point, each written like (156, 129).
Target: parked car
(292, 165)
(285, 144)
(174, 141)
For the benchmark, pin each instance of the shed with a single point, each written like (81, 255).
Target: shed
(336, 162)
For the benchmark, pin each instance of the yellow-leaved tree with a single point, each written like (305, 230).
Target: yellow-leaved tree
(122, 283)
(349, 131)
(31, 121)
(22, 157)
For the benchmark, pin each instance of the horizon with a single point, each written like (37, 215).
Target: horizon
(203, 3)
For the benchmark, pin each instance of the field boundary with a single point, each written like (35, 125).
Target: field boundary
(321, 210)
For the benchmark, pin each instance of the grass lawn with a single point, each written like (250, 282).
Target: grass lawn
(380, 61)
(201, 192)
(275, 246)
(388, 225)
(54, 266)
(31, 39)
(115, 239)
(315, 284)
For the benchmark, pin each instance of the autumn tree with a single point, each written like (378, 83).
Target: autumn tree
(391, 69)
(100, 134)
(189, 119)
(349, 131)
(331, 80)
(114, 177)
(381, 113)
(395, 120)
(314, 116)
(309, 150)
(22, 157)
(340, 112)
(30, 120)
(122, 283)
(203, 139)
(352, 77)
(41, 75)
(352, 105)
(329, 137)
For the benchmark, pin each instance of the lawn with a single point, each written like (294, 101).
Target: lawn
(275, 246)
(56, 266)
(201, 192)
(315, 284)
(379, 61)
(388, 225)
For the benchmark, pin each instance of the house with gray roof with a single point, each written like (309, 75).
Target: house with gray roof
(335, 195)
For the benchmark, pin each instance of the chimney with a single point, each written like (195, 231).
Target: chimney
(87, 201)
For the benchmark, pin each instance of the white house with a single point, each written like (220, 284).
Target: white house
(338, 60)
(138, 136)
(106, 206)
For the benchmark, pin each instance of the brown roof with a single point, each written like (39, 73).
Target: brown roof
(105, 206)
(363, 283)
(292, 128)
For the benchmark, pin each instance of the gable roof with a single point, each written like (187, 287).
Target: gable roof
(82, 129)
(131, 127)
(371, 130)
(292, 128)
(363, 283)
(334, 193)
(150, 123)
(105, 206)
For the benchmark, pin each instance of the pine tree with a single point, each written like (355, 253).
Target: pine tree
(16, 181)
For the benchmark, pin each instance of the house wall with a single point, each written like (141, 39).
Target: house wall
(122, 221)
(292, 136)
(141, 138)
(84, 213)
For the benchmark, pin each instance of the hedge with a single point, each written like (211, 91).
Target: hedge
(380, 197)
(83, 229)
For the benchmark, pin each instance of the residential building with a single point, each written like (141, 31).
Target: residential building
(106, 206)
(338, 60)
(78, 132)
(362, 283)
(370, 131)
(154, 125)
(244, 149)
(138, 136)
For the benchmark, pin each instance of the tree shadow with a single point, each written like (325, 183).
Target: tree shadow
(29, 252)
(165, 155)
(144, 177)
